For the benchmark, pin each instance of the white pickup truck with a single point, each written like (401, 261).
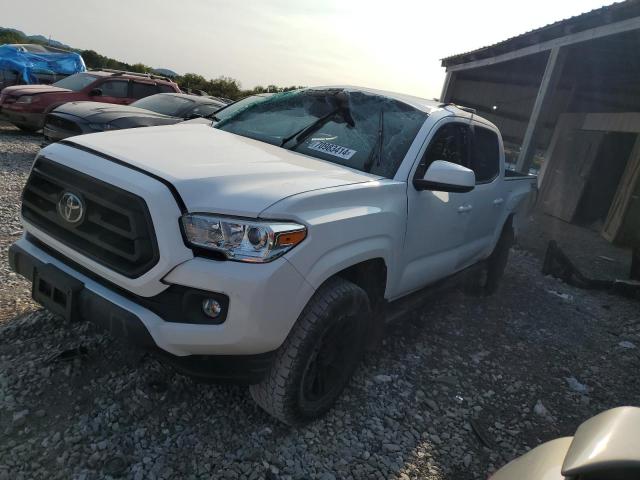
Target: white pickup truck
(267, 247)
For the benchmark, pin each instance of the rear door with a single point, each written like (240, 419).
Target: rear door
(141, 89)
(487, 202)
(114, 91)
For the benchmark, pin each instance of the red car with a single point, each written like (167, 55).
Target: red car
(26, 106)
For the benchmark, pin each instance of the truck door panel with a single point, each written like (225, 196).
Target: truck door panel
(436, 221)
(488, 196)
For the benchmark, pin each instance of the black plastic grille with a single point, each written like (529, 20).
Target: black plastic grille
(63, 124)
(116, 230)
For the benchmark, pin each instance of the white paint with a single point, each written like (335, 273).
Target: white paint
(351, 217)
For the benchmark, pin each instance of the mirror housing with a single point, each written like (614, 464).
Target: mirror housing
(443, 176)
(95, 92)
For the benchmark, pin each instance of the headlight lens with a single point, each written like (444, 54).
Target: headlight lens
(240, 239)
(26, 99)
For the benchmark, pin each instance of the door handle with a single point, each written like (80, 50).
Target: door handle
(465, 208)
(498, 201)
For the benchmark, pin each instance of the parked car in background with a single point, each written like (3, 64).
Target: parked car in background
(268, 249)
(26, 106)
(77, 118)
(605, 447)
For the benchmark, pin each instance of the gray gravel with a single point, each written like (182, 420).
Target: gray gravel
(457, 390)
(17, 150)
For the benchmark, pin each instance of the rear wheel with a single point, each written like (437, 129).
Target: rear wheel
(486, 280)
(498, 260)
(318, 357)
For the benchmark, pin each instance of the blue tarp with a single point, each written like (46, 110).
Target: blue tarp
(27, 64)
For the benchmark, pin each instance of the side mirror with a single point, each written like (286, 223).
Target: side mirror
(95, 92)
(443, 176)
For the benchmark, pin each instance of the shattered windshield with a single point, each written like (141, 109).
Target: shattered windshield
(368, 132)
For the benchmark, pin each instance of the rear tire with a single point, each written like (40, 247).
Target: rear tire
(319, 356)
(498, 260)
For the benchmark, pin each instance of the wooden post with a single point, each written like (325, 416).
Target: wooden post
(447, 87)
(552, 73)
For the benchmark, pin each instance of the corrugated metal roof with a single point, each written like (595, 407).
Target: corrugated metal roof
(595, 18)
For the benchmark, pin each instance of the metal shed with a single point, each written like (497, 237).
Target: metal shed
(567, 99)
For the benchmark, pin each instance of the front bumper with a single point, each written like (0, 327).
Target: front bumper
(237, 350)
(26, 118)
(58, 126)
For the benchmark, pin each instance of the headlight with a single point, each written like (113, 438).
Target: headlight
(27, 99)
(242, 240)
(101, 127)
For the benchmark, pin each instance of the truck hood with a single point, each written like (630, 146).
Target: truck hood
(17, 90)
(220, 172)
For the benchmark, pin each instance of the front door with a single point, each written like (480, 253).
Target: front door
(436, 221)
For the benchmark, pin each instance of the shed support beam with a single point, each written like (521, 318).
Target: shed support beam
(552, 74)
(584, 36)
(447, 87)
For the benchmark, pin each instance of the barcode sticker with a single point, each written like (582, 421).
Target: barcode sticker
(332, 149)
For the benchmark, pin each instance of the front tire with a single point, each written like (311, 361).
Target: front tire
(27, 128)
(319, 356)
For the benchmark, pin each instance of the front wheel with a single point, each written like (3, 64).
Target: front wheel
(319, 356)
(27, 128)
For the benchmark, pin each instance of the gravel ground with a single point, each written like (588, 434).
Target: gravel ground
(17, 150)
(457, 390)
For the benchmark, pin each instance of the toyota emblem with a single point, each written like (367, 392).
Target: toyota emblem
(71, 208)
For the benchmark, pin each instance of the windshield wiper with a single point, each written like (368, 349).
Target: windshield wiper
(303, 133)
(376, 150)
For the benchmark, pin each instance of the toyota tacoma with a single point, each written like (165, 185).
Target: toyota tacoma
(269, 247)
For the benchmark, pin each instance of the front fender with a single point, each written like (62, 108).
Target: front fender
(347, 226)
(345, 256)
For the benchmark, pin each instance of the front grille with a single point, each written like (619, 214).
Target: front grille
(62, 124)
(116, 230)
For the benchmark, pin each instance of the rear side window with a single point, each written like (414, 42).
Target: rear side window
(141, 90)
(114, 88)
(485, 155)
(166, 88)
(450, 143)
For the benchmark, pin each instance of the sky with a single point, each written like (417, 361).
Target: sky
(392, 45)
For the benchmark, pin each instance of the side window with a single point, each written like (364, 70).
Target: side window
(166, 88)
(141, 90)
(114, 88)
(485, 155)
(450, 143)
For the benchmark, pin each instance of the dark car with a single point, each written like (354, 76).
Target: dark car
(77, 118)
(27, 105)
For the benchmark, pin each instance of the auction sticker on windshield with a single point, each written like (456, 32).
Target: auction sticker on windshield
(332, 149)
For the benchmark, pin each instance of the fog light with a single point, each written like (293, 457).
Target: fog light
(211, 308)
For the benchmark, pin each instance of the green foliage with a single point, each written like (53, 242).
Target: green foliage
(7, 36)
(222, 86)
